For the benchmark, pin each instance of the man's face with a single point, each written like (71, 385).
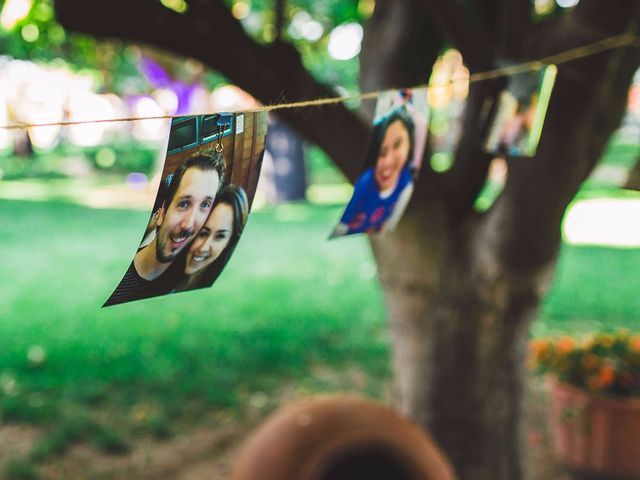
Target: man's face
(179, 222)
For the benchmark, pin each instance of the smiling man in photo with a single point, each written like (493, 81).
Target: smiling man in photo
(186, 207)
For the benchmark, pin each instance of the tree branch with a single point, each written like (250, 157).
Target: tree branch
(390, 57)
(270, 72)
(585, 109)
(279, 24)
(489, 10)
(517, 21)
(467, 176)
(588, 22)
(473, 42)
(633, 178)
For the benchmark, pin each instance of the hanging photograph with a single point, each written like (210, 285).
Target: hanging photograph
(391, 165)
(519, 117)
(208, 184)
(448, 93)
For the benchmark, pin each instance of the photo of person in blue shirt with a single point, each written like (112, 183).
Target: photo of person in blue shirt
(383, 190)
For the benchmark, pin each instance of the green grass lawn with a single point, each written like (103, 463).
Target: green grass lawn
(288, 303)
(290, 311)
(595, 289)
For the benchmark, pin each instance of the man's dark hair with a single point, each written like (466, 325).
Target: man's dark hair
(202, 161)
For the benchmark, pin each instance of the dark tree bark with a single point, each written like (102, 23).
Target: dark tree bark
(461, 287)
(633, 180)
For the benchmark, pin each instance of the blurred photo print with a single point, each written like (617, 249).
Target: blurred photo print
(519, 117)
(207, 187)
(391, 164)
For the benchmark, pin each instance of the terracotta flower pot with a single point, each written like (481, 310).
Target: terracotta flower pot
(598, 435)
(336, 438)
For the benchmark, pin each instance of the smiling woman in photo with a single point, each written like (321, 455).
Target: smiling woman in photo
(213, 245)
(383, 190)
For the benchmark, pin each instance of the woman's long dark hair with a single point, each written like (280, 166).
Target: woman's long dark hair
(236, 198)
(380, 126)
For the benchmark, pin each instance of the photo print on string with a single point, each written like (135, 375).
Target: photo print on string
(391, 164)
(519, 117)
(448, 92)
(207, 187)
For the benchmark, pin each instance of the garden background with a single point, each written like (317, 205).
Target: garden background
(83, 388)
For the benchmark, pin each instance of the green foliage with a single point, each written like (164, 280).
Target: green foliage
(72, 429)
(123, 157)
(259, 23)
(621, 153)
(77, 428)
(127, 157)
(619, 157)
(159, 427)
(27, 408)
(21, 469)
(321, 169)
(113, 65)
(40, 38)
(109, 441)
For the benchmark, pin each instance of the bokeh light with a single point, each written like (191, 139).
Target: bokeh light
(167, 99)
(14, 11)
(449, 80)
(154, 129)
(567, 3)
(30, 33)
(345, 41)
(230, 97)
(105, 157)
(179, 6)
(240, 10)
(88, 106)
(304, 26)
(441, 161)
(366, 7)
(137, 180)
(603, 221)
(312, 31)
(543, 7)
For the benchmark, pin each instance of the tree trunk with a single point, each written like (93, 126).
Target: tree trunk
(463, 288)
(633, 179)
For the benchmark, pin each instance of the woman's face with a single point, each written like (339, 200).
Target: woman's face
(394, 151)
(212, 239)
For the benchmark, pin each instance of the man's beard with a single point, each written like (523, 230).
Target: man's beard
(161, 257)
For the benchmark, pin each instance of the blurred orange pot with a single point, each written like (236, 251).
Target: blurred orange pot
(336, 438)
(599, 435)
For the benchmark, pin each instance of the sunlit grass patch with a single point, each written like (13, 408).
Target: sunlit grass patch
(604, 221)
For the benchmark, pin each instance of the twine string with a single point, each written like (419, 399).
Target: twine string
(610, 43)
